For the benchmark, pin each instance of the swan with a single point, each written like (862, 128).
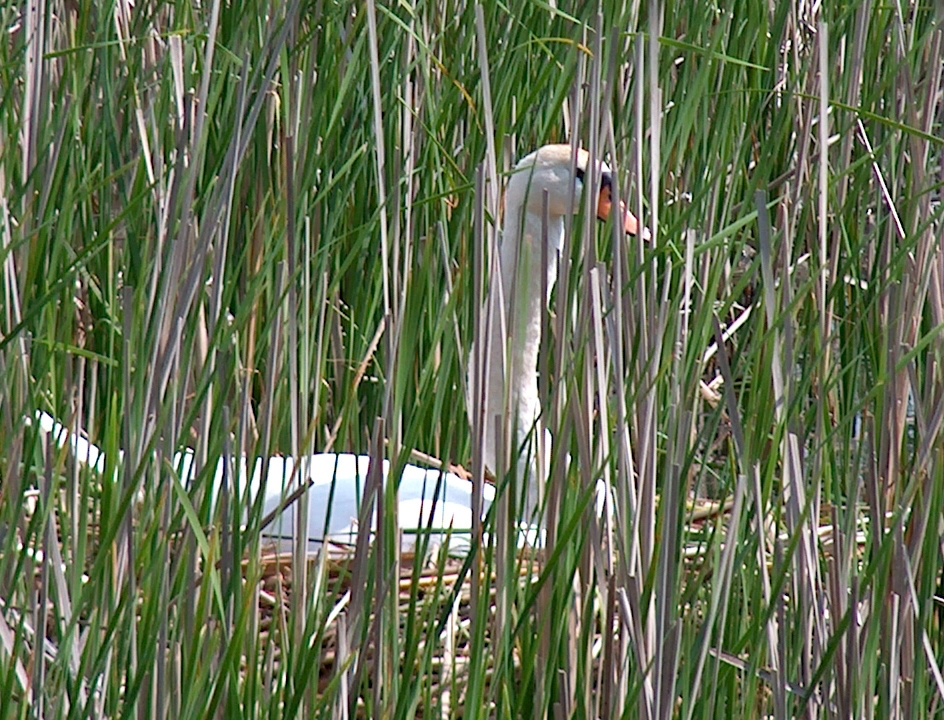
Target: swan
(429, 498)
(514, 300)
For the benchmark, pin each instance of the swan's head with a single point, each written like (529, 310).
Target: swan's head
(552, 168)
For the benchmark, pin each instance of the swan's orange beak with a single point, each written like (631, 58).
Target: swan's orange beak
(605, 206)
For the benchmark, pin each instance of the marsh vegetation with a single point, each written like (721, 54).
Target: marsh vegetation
(262, 229)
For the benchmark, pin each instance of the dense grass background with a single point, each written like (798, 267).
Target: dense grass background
(256, 228)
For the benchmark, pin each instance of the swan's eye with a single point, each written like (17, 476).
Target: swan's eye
(606, 178)
(605, 201)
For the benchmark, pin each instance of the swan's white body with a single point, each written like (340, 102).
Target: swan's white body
(337, 482)
(516, 296)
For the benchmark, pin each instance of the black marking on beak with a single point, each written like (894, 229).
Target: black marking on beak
(606, 179)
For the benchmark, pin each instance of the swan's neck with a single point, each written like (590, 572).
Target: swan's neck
(516, 321)
(523, 238)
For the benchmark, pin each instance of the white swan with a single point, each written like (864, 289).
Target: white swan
(515, 297)
(338, 480)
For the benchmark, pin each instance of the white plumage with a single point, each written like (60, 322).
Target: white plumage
(344, 474)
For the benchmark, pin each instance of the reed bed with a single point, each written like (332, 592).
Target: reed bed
(260, 229)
